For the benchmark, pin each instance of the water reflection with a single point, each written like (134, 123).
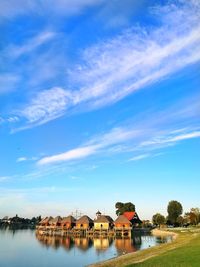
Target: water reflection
(51, 251)
(121, 244)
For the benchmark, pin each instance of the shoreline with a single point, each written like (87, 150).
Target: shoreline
(141, 255)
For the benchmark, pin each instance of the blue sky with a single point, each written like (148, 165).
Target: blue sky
(99, 103)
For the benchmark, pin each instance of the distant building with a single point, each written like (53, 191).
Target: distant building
(5, 220)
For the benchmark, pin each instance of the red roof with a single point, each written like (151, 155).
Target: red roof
(129, 214)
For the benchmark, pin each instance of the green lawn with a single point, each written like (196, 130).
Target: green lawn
(184, 251)
(186, 256)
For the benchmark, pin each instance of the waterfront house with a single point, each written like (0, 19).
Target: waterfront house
(45, 221)
(56, 222)
(84, 222)
(103, 222)
(68, 222)
(122, 223)
(132, 217)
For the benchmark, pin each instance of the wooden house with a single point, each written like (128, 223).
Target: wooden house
(45, 221)
(84, 223)
(122, 223)
(103, 222)
(56, 222)
(68, 222)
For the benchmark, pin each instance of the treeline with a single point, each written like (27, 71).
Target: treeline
(17, 221)
(176, 217)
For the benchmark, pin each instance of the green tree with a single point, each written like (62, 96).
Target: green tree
(158, 219)
(122, 207)
(174, 210)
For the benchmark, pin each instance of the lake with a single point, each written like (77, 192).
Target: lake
(22, 248)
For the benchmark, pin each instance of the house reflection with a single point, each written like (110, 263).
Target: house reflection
(100, 244)
(54, 241)
(124, 245)
(82, 243)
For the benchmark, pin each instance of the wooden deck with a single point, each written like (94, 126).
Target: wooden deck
(53, 231)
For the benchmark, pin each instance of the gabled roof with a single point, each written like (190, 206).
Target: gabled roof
(46, 220)
(104, 219)
(129, 214)
(58, 219)
(122, 219)
(68, 219)
(43, 220)
(84, 220)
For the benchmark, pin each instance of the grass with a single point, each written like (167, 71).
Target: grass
(184, 251)
(186, 256)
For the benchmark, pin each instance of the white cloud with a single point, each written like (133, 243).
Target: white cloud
(46, 105)
(32, 44)
(171, 138)
(13, 8)
(139, 157)
(8, 82)
(135, 140)
(21, 159)
(73, 154)
(117, 67)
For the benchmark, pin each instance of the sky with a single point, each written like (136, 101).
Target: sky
(99, 103)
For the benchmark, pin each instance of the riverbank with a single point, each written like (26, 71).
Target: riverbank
(183, 251)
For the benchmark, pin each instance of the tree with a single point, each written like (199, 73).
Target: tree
(196, 212)
(122, 207)
(174, 210)
(180, 220)
(158, 219)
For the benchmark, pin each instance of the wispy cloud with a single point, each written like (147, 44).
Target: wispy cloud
(155, 131)
(46, 105)
(117, 67)
(77, 153)
(8, 82)
(135, 141)
(21, 159)
(13, 8)
(139, 57)
(140, 157)
(172, 137)
(32, 44)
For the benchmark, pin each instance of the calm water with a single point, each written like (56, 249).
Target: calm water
(22, 248)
